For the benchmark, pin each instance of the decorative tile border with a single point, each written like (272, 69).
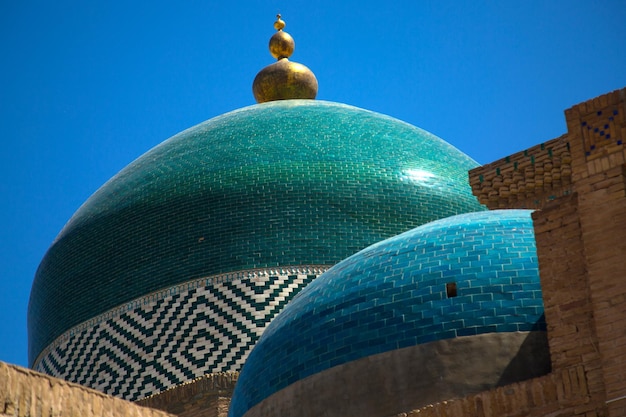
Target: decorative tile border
(176, 334)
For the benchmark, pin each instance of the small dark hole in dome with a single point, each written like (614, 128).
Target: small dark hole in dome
(451, 289)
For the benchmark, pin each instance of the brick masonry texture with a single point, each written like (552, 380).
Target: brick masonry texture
(207, 396)
(280, 184)
(25, 393)
(526, 179)
(600, 183)
(562, 394)
(581, 247)
(175, 335)
(531, 178)
(393, 295)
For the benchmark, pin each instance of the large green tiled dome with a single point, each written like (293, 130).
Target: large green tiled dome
(285, 183)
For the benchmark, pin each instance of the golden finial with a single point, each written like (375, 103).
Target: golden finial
(281, 44)
(284, 79)
(279, 24)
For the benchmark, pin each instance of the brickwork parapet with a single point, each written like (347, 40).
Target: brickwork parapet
(563, 394)
(597, 130)
(601, 123)
(579, 231)
(26, 393)
(207, 396)
(526, 179)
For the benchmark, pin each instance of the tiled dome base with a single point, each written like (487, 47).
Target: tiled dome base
(174, 335)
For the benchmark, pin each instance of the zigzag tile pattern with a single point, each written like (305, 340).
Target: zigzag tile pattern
(169, 340)
(285, 183)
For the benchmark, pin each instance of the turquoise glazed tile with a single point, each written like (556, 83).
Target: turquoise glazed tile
(382, 318)
(295, 182)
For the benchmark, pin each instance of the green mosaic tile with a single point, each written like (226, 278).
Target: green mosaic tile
(282, 183)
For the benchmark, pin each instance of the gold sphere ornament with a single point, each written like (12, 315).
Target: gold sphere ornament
(283, 80)
(282, 45)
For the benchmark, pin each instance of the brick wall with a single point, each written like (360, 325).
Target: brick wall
(597, 130)
(526, 179)
(208, 396)
(580, 229)
(566, 293)
(25, 393)
(560, 394)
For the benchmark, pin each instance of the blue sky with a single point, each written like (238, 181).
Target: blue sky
(87, 87)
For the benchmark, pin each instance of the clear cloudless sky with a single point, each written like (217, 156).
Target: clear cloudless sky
(88, 86)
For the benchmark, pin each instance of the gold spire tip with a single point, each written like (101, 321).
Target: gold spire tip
(279, 24)
(283, 80)
(281, 43)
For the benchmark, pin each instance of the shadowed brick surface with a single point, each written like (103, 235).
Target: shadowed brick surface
(25, 393)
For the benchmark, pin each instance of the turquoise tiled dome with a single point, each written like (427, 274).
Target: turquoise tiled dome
(283, 183)
(397, 294)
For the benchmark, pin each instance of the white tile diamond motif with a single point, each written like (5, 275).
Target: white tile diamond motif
(176, 335)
